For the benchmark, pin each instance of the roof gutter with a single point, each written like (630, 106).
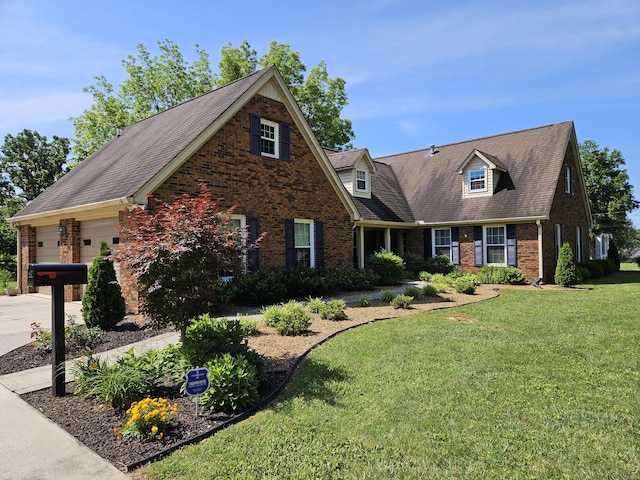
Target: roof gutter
(87, 211)
(483, 221)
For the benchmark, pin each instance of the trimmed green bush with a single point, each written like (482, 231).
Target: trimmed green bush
(388, 266)
(333, 310)
(424, 276)
(363, 301)
(439, 264)
(102, 302)
(501, 275)
(402, 301)
(565, 274)
(412, 291)
(291, 318)
(594, 267)
(233, 384)
(413, 264)
(614, 256)
(466, 284)
(430, 291)
(386, 296)
(314, 305)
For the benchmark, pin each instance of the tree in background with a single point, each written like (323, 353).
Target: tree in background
(155, 83)
(28, 165)
(102, 302)
(178, 254)
(608, 189)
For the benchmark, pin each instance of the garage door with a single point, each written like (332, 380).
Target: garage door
(47, 249)
(92, 232)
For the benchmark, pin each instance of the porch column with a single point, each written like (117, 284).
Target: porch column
(360, 246)
(387, 239)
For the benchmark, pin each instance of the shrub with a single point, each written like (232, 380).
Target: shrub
(386, 296)
(614, 256)
(583, 274)
(440, 278)
(76, 337)
(148, 419)
(424, 276)
(388, 266)
(363, 301)
(412, 291)
(413, 264)
(439, 264)
(5, 278)
(608, 266)
(207, 337)
(594, 267)
(334, 310)
(233, 384)
(430, 291)
(102, 302)
(263, 287)
(565, 274)
(402, 301)
(251, 326)
(466, 284)
(290, 318)
(501, 275)
(118, 385)
(314, 305)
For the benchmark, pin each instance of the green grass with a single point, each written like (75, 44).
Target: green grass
(536, 384)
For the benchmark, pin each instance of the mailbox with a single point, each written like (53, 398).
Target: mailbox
(47, 274)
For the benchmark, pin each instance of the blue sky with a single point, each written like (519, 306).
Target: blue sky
(418, 72)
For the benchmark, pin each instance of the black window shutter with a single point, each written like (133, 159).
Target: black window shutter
(556, 251)
(512, 246)
(285, 153)
(254, 255)
(477, 246)
(255, 134)
(319, 244)
(289, 243)
(455, 245)
(428, 246)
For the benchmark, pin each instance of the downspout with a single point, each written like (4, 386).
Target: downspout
(540, 256)
(18, 258)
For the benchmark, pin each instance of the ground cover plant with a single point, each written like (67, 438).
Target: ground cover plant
(533, 384)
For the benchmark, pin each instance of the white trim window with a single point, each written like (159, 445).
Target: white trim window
(236, 221)
(269, 135)
(303, 236)
(442, 241)
(478, 180)
(495, 245)
(362, 181)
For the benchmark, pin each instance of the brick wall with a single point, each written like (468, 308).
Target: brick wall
(268, 188)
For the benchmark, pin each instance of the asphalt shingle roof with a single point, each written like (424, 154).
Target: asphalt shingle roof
(127, 162)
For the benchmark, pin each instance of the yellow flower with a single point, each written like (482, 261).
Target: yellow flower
(160, 436)
(154, 429)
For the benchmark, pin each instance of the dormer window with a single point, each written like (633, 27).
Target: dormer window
(361, 180)
(478, 180)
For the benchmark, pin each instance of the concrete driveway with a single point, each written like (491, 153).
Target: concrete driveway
(17, 313)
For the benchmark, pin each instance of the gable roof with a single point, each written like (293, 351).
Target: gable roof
(387, 203)
(143, 155)
(347, 159)
(491, 161)
(533, 159)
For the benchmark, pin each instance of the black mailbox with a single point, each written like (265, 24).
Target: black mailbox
(46, 274)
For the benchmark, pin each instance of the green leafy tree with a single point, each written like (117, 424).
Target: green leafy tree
(177, 252)
(102, 302)
(565, 273)
(608, 188)
(31, 163)
(154, 84)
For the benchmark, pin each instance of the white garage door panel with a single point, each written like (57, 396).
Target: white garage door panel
(92, 233)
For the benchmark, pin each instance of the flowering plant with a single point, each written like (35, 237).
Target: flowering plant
(148, 419)
(40, 338)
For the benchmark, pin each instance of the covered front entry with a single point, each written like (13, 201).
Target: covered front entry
(370, 239)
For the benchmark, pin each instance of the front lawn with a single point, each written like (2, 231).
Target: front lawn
(534, 384)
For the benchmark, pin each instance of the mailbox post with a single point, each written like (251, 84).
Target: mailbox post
(57, 275)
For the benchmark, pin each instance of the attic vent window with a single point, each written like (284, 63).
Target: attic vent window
(478, 180)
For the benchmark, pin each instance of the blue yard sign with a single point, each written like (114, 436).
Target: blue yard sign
(197, 383)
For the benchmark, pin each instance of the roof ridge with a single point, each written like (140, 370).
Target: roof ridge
(475, 139)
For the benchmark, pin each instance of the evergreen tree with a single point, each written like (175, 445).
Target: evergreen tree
(102, 303)
(613, 255)
(566, 274)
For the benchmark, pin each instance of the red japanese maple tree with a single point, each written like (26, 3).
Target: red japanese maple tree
(176, 253)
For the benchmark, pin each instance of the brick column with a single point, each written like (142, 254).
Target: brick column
(28, 255)
(70, 253)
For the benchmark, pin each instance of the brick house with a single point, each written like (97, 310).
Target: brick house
(511, 199)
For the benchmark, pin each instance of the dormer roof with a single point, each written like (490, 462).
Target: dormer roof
(492, 162)
(348, 159)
